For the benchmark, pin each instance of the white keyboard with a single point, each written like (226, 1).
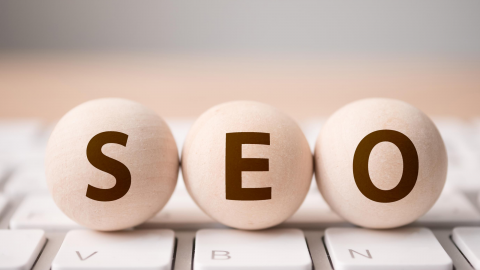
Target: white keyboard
(35, 234)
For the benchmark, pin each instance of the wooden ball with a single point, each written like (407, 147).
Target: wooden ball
(111, 164)
(380, 163)
(224, 180)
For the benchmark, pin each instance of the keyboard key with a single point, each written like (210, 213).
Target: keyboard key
(19, 140)
(126, 250)
(20, 249)
(462, 151)
(27, 178)
(467, 240)
(18, 135)
(315, 210)
(40, 212)
(234, 249)
(452, 209)
(180, 212)
(407, 248)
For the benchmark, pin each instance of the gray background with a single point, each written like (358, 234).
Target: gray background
(361, 27)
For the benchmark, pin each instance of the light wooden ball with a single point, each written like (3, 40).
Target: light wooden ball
(289, 157)
(336, 148)
(150, 155)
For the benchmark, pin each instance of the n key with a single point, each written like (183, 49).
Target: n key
(405, 249)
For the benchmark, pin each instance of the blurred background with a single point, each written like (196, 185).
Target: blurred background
(180, 57)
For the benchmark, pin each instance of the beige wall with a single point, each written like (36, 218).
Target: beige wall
(46, 86)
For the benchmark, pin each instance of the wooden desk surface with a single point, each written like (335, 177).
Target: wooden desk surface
(47, 86)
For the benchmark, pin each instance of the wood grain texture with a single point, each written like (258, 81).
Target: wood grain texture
(337, 144)
(204, 165)
(150, 156)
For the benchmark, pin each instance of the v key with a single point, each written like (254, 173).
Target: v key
(92, 250)
(83, 259)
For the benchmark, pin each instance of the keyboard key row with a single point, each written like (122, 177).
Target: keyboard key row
(22, 141)
(348, 249)
(452, 209)
(40, 212)
(28, 178)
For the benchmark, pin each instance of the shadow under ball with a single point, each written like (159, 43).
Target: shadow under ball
(380, 163)
(224, 180)
(111, 164)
